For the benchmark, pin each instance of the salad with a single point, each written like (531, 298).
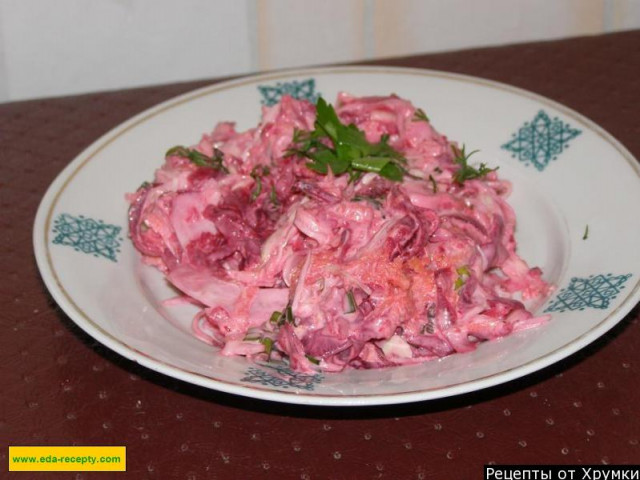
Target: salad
(331, 238)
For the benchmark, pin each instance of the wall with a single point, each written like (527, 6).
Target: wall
(61, 47)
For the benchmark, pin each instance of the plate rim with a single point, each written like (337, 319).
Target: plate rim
(43, 219)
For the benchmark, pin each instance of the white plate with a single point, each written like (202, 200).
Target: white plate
(567, 173)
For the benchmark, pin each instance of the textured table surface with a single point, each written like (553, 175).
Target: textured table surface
(59, 387)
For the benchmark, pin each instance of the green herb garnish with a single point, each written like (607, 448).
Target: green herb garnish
(586, 233)
(352, 302)
(275, 317)
(434, 185)
(280, 318)
(375, 201)
(257, 173)
(463, 273)
(200, 159)
(344, 148)
(268, 346)
(257, 189)
(273, 197)
(420, 116)
(313, 360)
(467, 172)
(288, 315)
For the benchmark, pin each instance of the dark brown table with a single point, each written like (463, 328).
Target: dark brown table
(60, 387)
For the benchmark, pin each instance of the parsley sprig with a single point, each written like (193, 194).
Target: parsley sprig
(214, 162)
(268, 346)
(344, 148)
(376, 201)
(257, 173)
(466, 171)
(463, 274)
(280, 318)
(420, 116)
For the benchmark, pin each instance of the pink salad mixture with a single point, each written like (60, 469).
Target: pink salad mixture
(289, 264)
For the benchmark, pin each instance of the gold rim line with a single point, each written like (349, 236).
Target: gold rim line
(118, 131)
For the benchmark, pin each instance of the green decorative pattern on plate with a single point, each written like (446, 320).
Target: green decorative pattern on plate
(541, 140)
(281, 376)
(595, 291)
(302, 90)
(87, 235)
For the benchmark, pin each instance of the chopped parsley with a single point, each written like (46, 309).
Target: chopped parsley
(257, 173)
(214, 162)
(268, 346)
(275, 317)
(288, 315)
(273, 196)
(375, 201)
(463, 273)
(344, 148)
(352, 302)
(420, 116)
(280, 318)
(434, 185)
(313, 360)
(466, 171)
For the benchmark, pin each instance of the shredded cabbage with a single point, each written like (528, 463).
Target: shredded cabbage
(326, 273)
